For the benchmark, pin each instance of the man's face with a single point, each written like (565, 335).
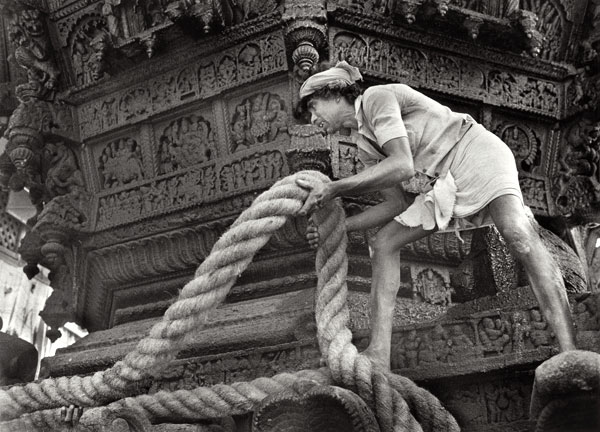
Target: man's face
(325, 113)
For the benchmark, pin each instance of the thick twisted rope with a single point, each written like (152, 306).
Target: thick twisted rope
(392, 397)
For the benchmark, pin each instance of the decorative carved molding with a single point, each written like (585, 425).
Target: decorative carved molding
(199, 80)
(448, 74)
(368, 23)
(199, 184)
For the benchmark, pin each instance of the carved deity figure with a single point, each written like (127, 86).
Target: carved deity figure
(494, 334)
(258, 120)
(505, 403)
(32, 52)
(441, 343)
(431, 287)
(249, 59)
(521, 330)
(121, 163)
(186, 142)
(460, 344)
(540, 334)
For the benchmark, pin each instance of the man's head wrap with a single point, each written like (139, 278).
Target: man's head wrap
(341, 73)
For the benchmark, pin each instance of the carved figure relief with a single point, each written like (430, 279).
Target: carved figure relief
(445, 73)
(534, 192)
(63, 175)
(577, 185)
(519, 89)
(250, 171)
(87, 50)
(198, 80)
(185, 142)
(378, 55)
(135, 103)
(112, 12)
(411, 347)
(33, 52)
(120, 163)
(587, 314)
(506, 402)
(462, 346)
(198, 184)
(441, 343)
(348, 160)
(521, 330)
(540, 334)
(494, 334)
(432, 287)
(523, 142)
(257, 120)
(126, 18)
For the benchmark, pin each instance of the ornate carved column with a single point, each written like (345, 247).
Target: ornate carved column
(41, 158)
(306, 32)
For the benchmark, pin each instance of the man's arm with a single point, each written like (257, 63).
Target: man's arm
(394, 203)
(390, 172)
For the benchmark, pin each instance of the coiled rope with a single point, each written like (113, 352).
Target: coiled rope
(398, 403)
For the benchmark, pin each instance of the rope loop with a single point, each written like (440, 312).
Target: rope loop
(397, 402)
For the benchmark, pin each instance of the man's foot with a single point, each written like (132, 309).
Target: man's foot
(378, 358)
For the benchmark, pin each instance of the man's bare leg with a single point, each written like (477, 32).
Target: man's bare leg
(543, 274)
(385, 282)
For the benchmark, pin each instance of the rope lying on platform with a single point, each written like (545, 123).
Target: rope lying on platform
(397, 402)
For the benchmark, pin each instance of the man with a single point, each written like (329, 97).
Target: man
(463, 176)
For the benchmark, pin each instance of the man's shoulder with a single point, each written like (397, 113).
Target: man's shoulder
(373, 92)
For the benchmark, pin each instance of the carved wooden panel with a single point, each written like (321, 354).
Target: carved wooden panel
(199, 79)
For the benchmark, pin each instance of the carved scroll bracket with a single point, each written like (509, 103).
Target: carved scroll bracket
(306, 33)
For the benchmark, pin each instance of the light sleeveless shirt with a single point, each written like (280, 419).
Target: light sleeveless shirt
(392, 111)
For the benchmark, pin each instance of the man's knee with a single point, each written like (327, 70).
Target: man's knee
(382, 245)
(521, 238)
